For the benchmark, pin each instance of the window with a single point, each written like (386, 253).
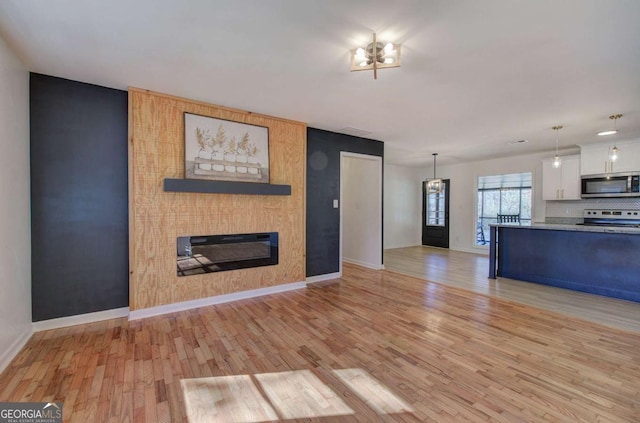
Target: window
(502, 194)
(436, 208)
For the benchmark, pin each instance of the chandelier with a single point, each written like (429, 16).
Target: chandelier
(435, 185)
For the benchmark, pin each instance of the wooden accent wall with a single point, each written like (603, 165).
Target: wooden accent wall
(156, 151)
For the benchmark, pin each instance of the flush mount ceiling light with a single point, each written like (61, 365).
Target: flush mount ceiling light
(557, 161)
(615, 128)
(434, 186)
(376, 55)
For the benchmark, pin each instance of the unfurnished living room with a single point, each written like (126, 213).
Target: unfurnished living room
(256, 211)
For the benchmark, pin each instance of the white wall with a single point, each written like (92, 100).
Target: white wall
(15, 232)
(403, 199)
(402, 206)
(361, 192)
(463, 191)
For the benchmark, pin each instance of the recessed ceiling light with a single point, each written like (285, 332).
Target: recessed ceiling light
(611, 132)
(349, 130)
(615, 127)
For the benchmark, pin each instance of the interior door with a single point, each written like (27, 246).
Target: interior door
(435, 216)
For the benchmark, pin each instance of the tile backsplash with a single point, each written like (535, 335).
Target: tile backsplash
(572, 210)
(563, 220)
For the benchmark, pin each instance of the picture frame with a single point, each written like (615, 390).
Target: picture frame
(224, 150)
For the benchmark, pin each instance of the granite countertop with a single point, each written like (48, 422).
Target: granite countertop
(575, 228)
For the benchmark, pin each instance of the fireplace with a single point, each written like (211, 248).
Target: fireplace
(217, 253)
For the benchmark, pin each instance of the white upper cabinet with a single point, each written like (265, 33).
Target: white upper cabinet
(595, 159)
(561, 183)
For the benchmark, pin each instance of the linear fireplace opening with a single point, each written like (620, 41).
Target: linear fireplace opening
(217, 253)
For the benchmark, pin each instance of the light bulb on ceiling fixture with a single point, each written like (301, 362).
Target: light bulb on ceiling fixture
(557, 161)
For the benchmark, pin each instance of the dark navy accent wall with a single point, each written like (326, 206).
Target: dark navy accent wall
(79, 191)
(323, 186)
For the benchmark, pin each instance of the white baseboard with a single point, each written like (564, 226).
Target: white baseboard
(14, 349)
(325, 277)
(80, 319)
(406, 245)
(479, 251)
(363, 263)
(219, 299)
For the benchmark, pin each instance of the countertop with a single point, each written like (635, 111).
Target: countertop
(575, 228)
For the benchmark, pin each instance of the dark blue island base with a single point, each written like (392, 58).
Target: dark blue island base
(600, 263)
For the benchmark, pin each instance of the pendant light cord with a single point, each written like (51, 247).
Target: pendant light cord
(434, 165)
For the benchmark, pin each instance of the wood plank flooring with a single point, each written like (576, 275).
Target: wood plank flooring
(371, 346)
(469, 271)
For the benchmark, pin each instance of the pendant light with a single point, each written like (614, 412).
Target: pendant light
(557, 161)
(613, 154)
(434, 186)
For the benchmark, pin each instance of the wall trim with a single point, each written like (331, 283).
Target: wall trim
(80, 319)
(14, 349)
(363, 264)
(404, 245)
(477, 251)
(325, 277)
(218, 299)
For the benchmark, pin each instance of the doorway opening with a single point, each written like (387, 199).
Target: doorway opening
(361, 210)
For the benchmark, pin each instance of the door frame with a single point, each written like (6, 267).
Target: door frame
(376, 205)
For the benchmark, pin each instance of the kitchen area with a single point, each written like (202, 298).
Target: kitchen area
(590, 239)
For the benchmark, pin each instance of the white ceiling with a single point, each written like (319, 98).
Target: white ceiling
(475, 74)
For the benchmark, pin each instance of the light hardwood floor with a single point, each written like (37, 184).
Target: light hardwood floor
(470, 271)
(372, 346)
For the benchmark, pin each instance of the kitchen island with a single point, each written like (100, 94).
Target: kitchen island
(595, 259)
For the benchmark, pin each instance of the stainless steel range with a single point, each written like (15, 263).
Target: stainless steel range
(620, 218)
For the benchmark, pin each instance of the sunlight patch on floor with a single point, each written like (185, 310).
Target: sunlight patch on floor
(225, 399)
(297, 394)
(300, 394)
(372, 392)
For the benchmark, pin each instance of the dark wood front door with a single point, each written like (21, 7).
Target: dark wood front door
(435, 216)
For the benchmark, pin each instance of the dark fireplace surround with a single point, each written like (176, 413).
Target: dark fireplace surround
(217, 253)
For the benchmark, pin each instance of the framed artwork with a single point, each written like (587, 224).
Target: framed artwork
(222, 150)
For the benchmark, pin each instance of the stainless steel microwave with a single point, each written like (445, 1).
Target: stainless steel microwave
(611, 185)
